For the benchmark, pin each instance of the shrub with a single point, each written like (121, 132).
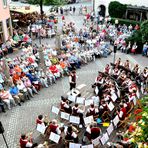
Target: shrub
(124, 21)
(117, 9)
(144, 31)
(34, 2)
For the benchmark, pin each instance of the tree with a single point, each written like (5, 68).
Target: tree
(144, 31)
(136, 37)
(117, 9)
(34, 2)
(48, 2)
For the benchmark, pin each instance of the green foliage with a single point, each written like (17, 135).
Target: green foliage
(34, 2)
(117, 9)
(144, 31)
(136, 37)
(124, 21)
(48, 2)
(144, 103)
(55, 2)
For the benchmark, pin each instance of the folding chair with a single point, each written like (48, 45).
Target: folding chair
(105, 116)
(132, 106)
(123, 123)
(47, 131)
(66, 143)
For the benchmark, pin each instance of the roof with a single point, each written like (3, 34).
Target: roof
(142, 8)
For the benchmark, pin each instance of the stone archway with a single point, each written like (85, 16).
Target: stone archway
(102, 11)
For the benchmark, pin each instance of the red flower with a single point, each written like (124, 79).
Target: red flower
(137, 111)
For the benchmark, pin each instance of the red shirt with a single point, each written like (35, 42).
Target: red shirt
(38, 121)
(124, 112)
(95, 132)
(53, 128)
(53, 69)
(23, 142)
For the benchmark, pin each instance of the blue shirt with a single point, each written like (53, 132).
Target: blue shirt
(14, 90)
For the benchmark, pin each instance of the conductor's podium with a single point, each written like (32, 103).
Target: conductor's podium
(78, 91)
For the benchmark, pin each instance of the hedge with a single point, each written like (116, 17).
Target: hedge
(124, 21)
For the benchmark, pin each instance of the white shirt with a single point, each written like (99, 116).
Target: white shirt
(96, 100)
(22, 87)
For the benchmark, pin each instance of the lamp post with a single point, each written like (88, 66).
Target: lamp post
(41, 56)
(39, 27)
(58, 41)
(93, 5)
(2, 132)
(41, 13)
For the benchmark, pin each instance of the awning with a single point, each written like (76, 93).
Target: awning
(23, 10)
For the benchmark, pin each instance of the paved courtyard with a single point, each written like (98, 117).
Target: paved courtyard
(21, 119)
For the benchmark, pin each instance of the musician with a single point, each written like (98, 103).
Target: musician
(107, 96)
(54, 127)
(95, 131)
(103, 107)
(122, 112)
(92, 132)
(39, 120)
(71, 135)
(132, 88)
(136, 69)
(107, 69)
(76, 111)
(26, 142)
(127, 104)
(133, 97)
(127, 64)
(65, 105)
(144, 80)
(116, 72)
(92, 111)
(118, 62)
(99, 79)
(122, 76)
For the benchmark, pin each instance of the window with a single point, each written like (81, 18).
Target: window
(1, 33)
(8, 26)
(5, 3)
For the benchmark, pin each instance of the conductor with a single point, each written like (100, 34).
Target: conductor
(72, 80)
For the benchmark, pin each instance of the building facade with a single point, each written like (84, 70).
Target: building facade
(103, 4)
(5, 21)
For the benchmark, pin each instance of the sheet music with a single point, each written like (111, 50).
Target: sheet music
(55, 110)
(74, 119)
(116, 120)
(74, 145)
(104, 138)
(88, 146)
(88, 120)
(88, 102)
(72, 98)
(80, 100)
(110, 129)
(54, 137)
(65, 115)
(41, 128)
(96, 141)
(114, 97)
(111, 106)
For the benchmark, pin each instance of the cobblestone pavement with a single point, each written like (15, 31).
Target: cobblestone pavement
(22, 119)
